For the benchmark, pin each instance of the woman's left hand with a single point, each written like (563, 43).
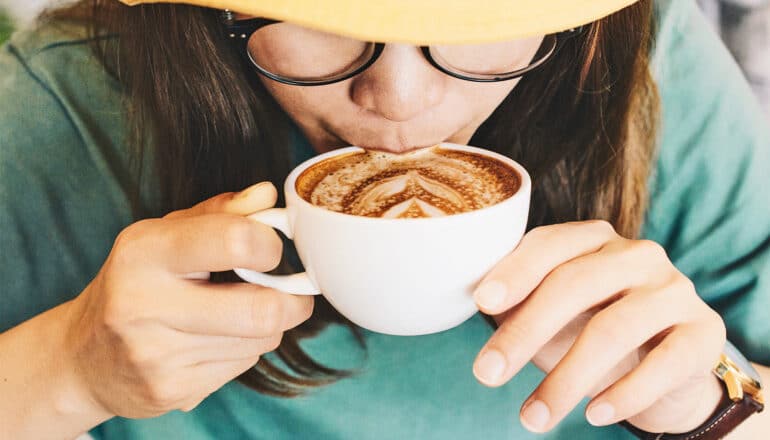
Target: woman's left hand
(605, 317)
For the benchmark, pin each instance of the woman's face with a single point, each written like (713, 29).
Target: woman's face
(398, 104)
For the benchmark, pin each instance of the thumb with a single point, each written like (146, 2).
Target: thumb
(255, 198)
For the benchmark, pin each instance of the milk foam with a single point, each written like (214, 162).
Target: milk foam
(430, 182)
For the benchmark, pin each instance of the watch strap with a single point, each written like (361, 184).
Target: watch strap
(729, 415)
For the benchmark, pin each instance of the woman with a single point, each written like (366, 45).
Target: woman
(174, 110)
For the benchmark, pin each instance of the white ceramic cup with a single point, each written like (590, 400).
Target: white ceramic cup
(395, 276)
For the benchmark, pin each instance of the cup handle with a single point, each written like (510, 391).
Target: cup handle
(296, 284)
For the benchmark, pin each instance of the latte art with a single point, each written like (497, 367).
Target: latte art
(431, 182)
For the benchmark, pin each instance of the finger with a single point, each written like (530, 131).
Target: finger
(255, 198)
(207, 243)
(692, 349)
(159, 349)
(607, 340)
(211, 376)
(206, 348)
(539, 252)
(237, 309)
(576, 286)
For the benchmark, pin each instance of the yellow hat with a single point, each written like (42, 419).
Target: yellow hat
(424, 21)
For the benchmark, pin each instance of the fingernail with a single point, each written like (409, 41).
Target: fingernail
(250, 190)
(489, 368)
(535, 416)
(491, 295)
(600, 414)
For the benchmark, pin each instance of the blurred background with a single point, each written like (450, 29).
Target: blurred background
(22, 12)
(744, 25)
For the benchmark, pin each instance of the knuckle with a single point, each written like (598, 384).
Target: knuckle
(192, 404)
(716, 327)
(189, 407)
(601, 227)
(117, 311)
(238, 240)
(223, 202)
(512, 331)
(273, 343)
(162, 395)
(267, 314)
(541, 233)
(683, 287)
(558, 387)
(300, 311)
(566, 273)
(685, 284)
(309, 306)
(139, 355)
(649, 250)
(710, 357)
(134, 356)
(666, 351)
(605, 327)
(112, 319)
(252, 361)
(128, 235)
(226, 202)
(250, 242)
(669, 348)
(131, 238)
(271, 248)
(122, 306)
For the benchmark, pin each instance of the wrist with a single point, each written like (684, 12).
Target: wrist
(74, 398)
(48, 398)
(741, 398)
(713, 396)
(709, 395)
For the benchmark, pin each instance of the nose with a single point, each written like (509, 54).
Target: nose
(400, 85)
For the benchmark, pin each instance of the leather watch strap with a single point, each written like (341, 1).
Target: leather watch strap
(729, 415)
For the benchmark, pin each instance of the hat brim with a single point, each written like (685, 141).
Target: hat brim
(424, 22)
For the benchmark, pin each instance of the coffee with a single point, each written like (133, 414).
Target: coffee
(430, 182)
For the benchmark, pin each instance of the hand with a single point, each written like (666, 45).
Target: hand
(605, 317)
(150, 334)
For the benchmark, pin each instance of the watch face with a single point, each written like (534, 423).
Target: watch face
(740, 360)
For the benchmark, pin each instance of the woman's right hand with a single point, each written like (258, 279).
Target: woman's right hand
(150, 334)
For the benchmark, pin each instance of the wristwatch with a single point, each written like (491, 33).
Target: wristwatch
(742, 399)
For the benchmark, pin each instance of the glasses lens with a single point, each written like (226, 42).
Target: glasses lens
(494, 59)
(302, 54)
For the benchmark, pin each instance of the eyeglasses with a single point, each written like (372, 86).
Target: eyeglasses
(295, 55)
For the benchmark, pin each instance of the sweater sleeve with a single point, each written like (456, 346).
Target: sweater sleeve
(63, 184)
(710, 204)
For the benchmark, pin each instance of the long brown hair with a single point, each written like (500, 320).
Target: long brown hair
(584, 126)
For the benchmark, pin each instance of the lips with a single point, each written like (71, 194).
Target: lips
(372, 132)
(396, 145)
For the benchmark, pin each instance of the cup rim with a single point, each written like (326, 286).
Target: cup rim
(290, 189)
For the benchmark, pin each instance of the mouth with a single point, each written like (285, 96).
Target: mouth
(392, 142)
(374, 133)
(377, 143)
(400, 149)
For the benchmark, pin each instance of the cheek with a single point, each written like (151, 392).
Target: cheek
(305, 103)
(484, 98)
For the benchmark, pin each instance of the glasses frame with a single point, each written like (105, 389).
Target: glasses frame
(240, 31)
